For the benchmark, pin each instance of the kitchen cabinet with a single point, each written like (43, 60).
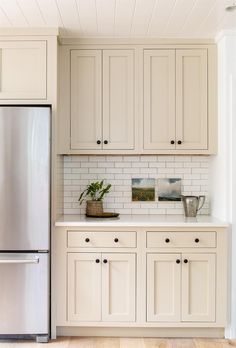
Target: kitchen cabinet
(175, 99)
(149, 277)
(181, 287)
(102, 100)
(159, 99)
(198, 287)
(84, 287)
(138, 98)
(23, 67)
(104, 282)
(163, 287)
(86, 103)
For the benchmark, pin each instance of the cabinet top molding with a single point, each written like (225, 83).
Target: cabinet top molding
(133, 41)
(29, 31)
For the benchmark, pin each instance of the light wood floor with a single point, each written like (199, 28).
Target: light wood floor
(101, 342)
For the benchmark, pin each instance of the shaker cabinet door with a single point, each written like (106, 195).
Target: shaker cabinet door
(163, 287)
(86, 104)
(23, 70)
(118, 287)
(159, 99)
(191, 99)
(84, 287)
(118, 99)
(198, 287)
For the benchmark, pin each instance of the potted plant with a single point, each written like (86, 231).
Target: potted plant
(96, 192)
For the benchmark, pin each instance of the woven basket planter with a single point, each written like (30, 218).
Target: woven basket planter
(94, 208)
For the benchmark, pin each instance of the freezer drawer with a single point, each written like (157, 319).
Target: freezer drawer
(24, 294)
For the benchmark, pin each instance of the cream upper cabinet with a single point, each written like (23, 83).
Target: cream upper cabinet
(23, 70)
(138, 98)
(198, 287)
(175, 100)
(191, 99)
(86, 103)
(118, 99)
(102, 100)
(159, 99)
(163, 287)
(118, 287)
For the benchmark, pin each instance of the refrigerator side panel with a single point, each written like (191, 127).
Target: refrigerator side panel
(24, 178)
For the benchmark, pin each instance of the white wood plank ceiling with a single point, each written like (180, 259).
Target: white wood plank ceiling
(121, 18)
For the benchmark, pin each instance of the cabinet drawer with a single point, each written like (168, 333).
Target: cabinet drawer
(181, 239)
(94, 239)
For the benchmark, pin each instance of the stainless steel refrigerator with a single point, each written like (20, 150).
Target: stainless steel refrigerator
(24, 221)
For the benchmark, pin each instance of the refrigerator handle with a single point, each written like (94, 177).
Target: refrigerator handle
(24, 261)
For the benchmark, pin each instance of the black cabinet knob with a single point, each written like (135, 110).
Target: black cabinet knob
(105, 261)
(116, 240)
(196, 240)
(97, 260)
(172, 142)
(185, 261)
(177, 261)
(179, 142)
(105, 142)
(98, 142)
(167, 240)
(87, 240)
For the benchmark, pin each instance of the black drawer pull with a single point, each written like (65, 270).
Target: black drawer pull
(116, 240)
(87, 240)
(172, 142)
(185, 261)
(105, 261)
(177, 261)
(98, 142)
(167, 240)
(97, 260)
(197, 240)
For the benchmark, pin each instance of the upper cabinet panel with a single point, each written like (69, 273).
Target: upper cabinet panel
(86, 113)
(138, 99)
(118, 99)
(191, 99)
(159, 99)
(23, 70)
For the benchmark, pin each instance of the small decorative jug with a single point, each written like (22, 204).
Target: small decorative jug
(192, 204)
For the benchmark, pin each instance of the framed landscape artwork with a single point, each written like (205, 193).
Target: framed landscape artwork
(143, 190)
(169, 190)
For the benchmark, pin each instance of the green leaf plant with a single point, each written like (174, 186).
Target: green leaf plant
(95, 191)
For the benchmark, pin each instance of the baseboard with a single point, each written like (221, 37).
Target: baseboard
(140, 332)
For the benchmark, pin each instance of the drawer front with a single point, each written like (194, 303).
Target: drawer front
(94, 239)
(181, 239)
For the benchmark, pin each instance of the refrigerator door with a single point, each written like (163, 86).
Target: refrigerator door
(24, 178)
(24, 290)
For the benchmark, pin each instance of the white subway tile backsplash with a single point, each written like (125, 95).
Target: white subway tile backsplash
(79, 171)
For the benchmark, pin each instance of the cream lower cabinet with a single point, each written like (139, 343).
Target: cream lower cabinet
(23, 69)
(101, 286)
(140, 278)
(181, 287)
(163, 287)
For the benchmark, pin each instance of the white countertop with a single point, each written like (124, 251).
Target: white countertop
(140, 221)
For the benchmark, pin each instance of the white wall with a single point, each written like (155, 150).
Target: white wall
(224, 164)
